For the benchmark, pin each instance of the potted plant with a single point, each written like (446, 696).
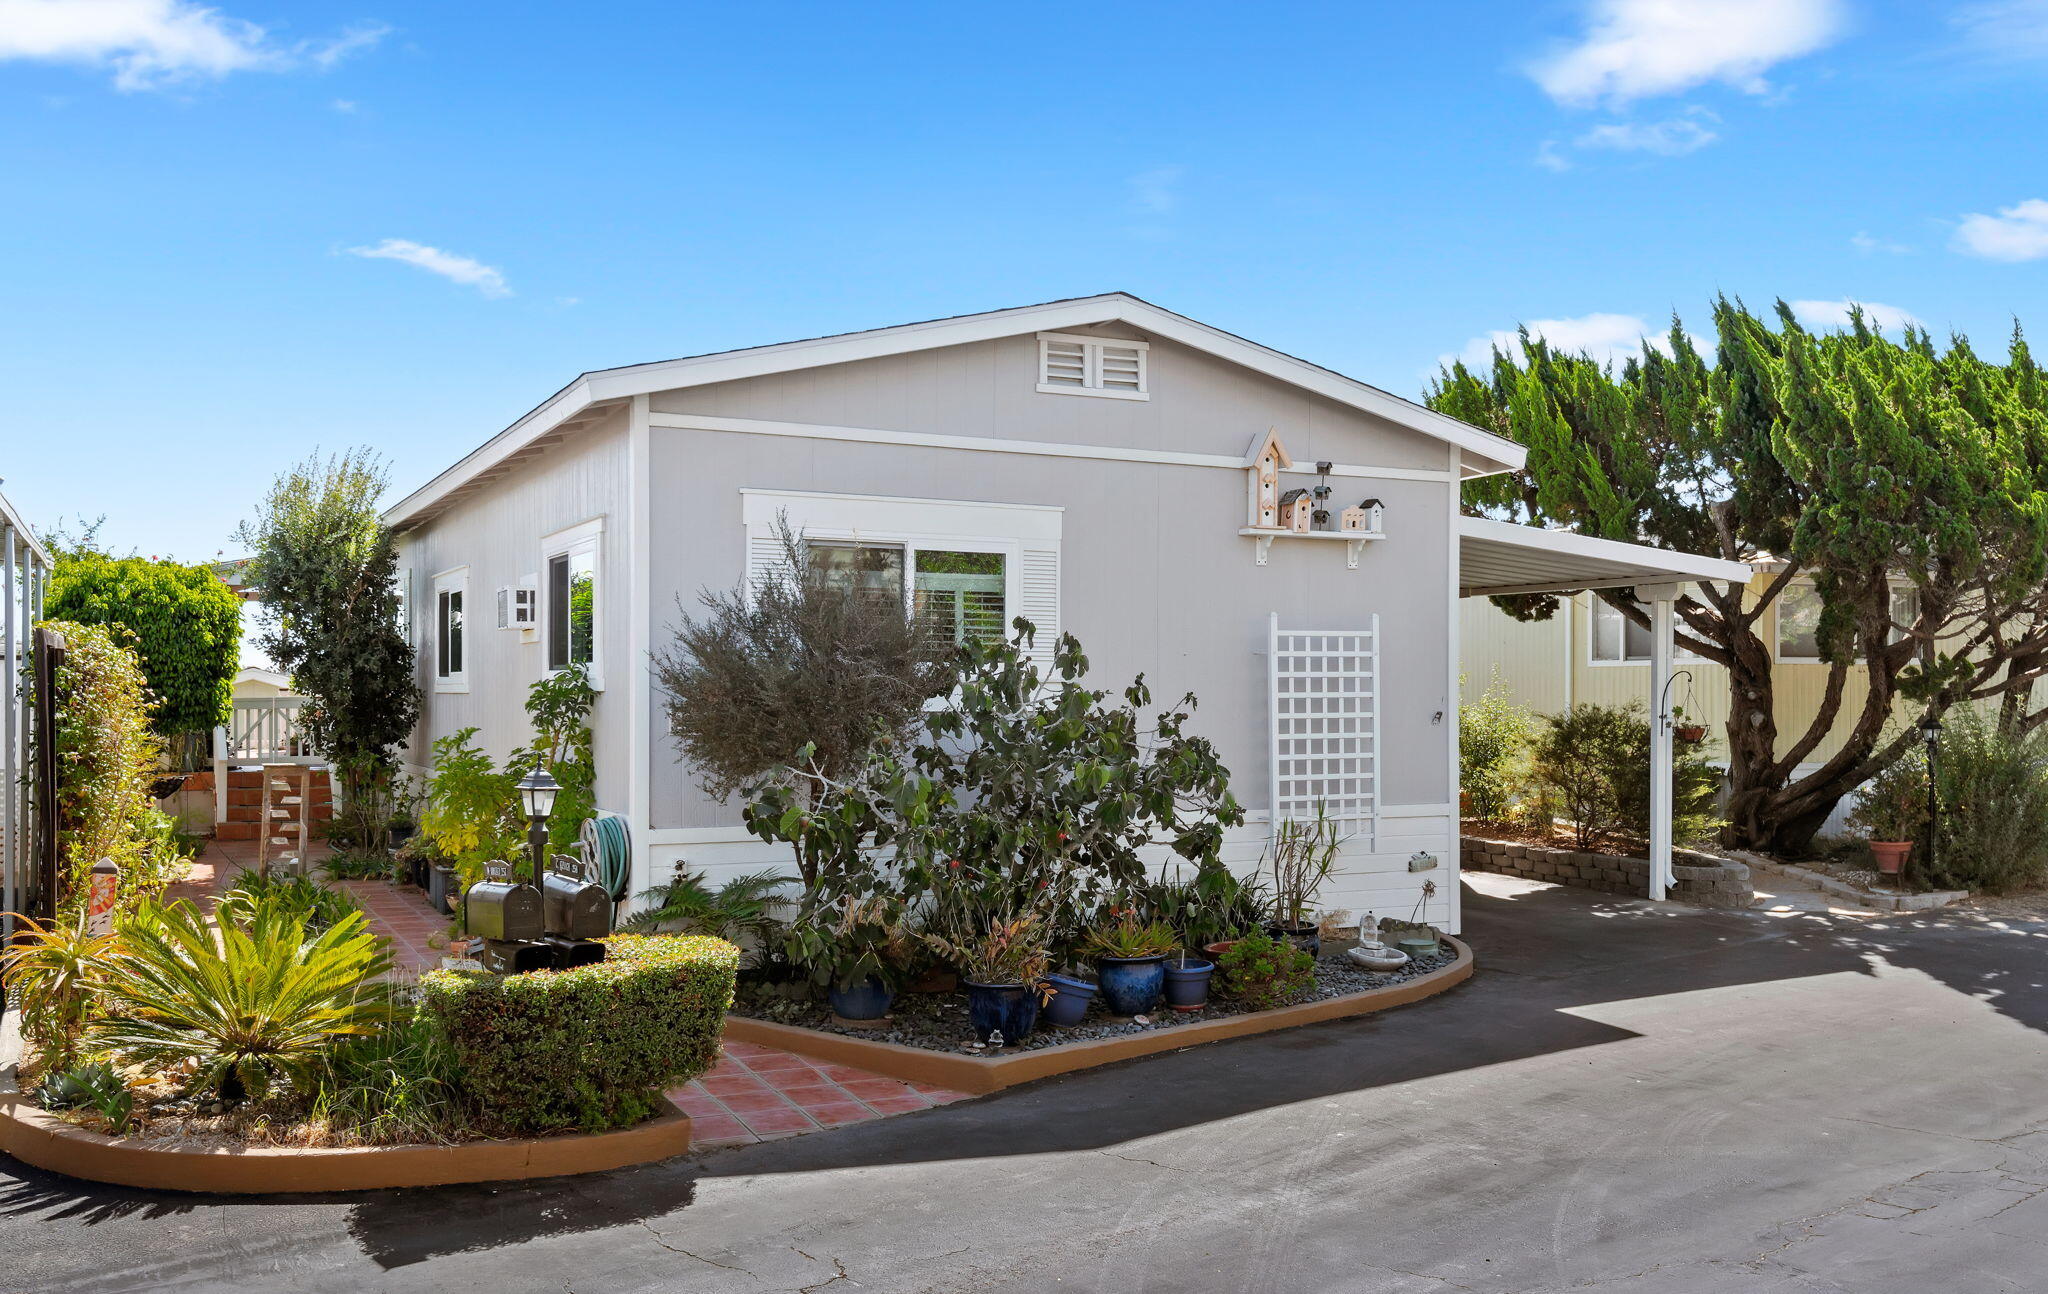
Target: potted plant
(1892, 813)
(857, 951)
(1687, 733)
(1002, 965)
(1130, 959)
(1187, 982)
(1302, 856)
(1066, 999)
(1267, 971)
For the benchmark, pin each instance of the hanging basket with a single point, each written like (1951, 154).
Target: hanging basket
(1690, 734)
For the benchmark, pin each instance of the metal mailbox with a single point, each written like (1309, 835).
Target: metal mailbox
(500, 908)
(575, 907)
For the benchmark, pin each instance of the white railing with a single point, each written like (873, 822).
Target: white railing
(259, 730)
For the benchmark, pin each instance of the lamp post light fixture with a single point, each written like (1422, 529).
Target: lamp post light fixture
(537, 791)
(1930, 733)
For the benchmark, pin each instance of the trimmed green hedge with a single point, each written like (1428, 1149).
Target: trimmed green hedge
(586, 1049)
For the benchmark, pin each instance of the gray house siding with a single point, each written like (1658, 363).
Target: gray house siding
(497, 532)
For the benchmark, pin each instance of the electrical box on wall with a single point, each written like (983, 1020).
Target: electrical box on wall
(518, 608)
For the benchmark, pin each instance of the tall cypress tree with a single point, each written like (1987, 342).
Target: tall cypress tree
(1843, 458)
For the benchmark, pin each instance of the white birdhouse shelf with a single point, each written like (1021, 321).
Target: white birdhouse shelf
(1272, 513)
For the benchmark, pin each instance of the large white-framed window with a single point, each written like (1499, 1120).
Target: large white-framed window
(451, 661)
(572, 594)
(1618, 640)
(1071, 364)
(1799, 608)
(971, 567)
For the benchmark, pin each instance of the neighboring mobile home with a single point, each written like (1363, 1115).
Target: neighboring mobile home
(1115, 470)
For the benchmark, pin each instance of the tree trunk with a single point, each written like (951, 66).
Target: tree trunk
(1754, 780)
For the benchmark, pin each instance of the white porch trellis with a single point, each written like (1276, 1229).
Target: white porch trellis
(1324, 715)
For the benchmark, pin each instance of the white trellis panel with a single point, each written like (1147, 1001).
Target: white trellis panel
(1323, 703)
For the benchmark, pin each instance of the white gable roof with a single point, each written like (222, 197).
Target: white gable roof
(1482, 452)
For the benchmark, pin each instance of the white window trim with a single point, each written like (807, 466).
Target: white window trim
(584, 536)
(1778, 606)
(1679, 652)
(454, 579)
(1091, 349)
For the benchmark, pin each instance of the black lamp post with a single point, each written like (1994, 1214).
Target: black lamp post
(537, 792)
(1930, 733)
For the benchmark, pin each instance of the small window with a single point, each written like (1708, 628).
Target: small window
(1072, 365)
(450, 664)
(1799, 608)
(870, 570)
(571, 588)
(1618, 640)
(963, 594)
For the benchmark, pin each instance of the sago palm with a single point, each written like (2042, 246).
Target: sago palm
(258, 1002)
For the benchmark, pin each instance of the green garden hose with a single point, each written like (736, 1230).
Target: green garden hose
(610, 852)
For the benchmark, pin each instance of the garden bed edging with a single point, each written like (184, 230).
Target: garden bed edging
(1878, 900)
(42, 1140)
(1704, 880)
(980, 1075)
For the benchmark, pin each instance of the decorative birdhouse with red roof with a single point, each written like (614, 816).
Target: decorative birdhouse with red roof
(1262, 474)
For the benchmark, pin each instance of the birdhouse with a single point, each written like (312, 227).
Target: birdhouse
(1297, 508)
(1262, 473)
(1364, 518)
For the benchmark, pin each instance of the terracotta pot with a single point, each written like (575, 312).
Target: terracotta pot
(1692, 734)
(1890, 854)
(1216, 950)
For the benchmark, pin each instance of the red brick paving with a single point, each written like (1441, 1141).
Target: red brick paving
(757, 1093)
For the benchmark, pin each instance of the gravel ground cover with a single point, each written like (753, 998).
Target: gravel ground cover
(938, 1021)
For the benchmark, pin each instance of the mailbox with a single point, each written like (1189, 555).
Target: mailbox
(500, 908)
(568, 954)
(503, 957)
(575, 906)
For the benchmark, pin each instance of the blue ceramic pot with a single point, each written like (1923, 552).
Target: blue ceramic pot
(867, 1000)
(1131, 985)
(1009, 1009)
(1070, 999)
(1187, 984)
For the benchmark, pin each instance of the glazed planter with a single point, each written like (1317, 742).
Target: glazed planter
(1417, 946)
(1069, 1000)
(1890, 854)
(1131, 985)
(1008, 1009)
(1309, 937)
(1187, 984)
(862, 1003)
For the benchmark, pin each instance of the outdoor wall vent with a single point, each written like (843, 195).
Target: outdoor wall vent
(518, 608)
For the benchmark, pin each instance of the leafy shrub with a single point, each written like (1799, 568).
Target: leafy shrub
(254, 1005)
(1209, 905)
(1592, 765)
(108, 756)
(471, 810)
(92, 1084)
(589, 1048)
(741, 911)
(296, 897)
(1493, 752)
(559, 705)
(1893, 804)
(354, 866)
(54, 971)
(1993, 821)
(1265, 972)
(185, 626)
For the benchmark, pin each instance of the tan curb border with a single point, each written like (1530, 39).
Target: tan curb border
(980, 1075)
(42, 1140)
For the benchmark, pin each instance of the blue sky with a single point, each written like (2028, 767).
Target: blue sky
(238, 233)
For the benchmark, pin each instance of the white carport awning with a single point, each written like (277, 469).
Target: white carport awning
(1497, 557)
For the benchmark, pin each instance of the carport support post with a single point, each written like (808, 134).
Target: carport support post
(1660, 597)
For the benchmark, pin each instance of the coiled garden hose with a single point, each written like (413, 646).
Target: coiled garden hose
(609, 851)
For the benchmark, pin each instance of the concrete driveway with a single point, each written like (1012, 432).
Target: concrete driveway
(1623, 1098)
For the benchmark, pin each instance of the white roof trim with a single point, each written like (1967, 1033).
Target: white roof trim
(1484, 453)
(1499, 557)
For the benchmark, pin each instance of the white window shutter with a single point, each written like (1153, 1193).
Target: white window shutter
(1038, 600)
(765, 558)
(1062, 363)
(1122, 368)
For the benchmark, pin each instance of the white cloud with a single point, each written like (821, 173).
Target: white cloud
(1156, 192)
(152, 44)
(2005, 30)
(1609, 338)
(1550, 159)
(2016, 233)
(1634, 49)
(1673, 138)
(1835, 314)
(344, 106)
(1869, 243)
(465, 270)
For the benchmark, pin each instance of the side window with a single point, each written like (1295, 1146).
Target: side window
(572, 588)
(451, 589)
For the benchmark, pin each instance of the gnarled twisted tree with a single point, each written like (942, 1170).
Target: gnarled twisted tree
(1844, 458)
